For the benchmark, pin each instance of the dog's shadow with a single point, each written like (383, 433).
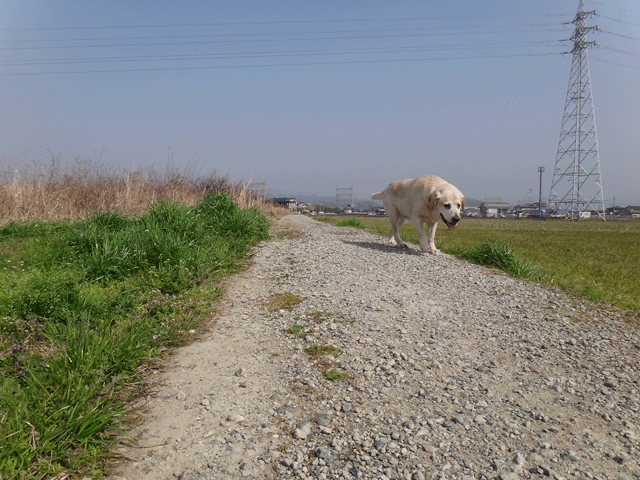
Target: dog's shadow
(383, 247)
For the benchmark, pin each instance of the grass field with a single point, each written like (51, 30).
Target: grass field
(103, 273)
(599, 260)
(87, 306)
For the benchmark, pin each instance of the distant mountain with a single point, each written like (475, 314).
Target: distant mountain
(472, 202)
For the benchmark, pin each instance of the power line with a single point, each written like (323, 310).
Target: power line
(215, 56)
(363, 37)
(616, 20)
(214, 67)
(613, 63)
(322, 32)
(619, 35)
(353, 49)
(249, 38)
(620, 51)
(282, 22)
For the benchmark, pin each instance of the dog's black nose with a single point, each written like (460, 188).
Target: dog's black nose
(455, 220)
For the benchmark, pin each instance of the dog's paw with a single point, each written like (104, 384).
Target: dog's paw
(394, 243)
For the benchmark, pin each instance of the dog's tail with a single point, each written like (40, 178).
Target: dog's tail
(376, 196)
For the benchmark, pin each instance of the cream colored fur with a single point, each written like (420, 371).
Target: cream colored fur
(426, 199)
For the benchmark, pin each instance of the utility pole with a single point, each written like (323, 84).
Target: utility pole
(577, 184)
(540, 169)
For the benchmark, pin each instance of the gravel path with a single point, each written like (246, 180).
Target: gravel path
(449, 370)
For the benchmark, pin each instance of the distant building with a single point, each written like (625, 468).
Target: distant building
(530, 210)
(634, 211)
(494, 209)
(629, 212)
(471, 212)
(289, 203)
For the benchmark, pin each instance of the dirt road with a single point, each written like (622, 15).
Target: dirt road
(399, 365)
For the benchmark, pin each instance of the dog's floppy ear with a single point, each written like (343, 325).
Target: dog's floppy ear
(432, 200)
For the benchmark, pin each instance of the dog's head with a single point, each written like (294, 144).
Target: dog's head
(448, 202)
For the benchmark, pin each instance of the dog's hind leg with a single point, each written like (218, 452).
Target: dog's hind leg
(396, 221)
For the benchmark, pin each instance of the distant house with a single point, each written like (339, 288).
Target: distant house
(304, 208)
(624, 213)
(494, 209)
(616, 211)
(629, 212)
(529, 210)
(471, 212)
(634, 211)
(289, 203)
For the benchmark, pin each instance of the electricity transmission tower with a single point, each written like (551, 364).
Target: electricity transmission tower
(344, 197)
(577, 186)
(259, 189)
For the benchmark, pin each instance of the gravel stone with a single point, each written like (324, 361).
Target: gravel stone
(450, 371)
(303, 431)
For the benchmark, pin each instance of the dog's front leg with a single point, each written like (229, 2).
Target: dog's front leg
(432, 239)
(422, 236)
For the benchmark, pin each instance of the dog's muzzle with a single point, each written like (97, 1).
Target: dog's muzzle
(452, 224)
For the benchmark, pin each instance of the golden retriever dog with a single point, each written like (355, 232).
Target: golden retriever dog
(427, 199)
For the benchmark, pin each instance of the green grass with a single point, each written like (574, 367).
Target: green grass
(321, 350)
(598, 260)
(297, 330)
(318, 352)
(320, 316)
(351, 222)
(334, 374)
(85, 305)
(283, 301)
(500, 255)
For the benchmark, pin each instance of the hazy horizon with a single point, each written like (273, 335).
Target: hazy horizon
(310, 96)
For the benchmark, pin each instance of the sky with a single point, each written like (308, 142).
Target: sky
(310, 96)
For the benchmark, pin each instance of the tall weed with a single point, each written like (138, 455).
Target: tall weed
(100, 298)
(76, 191)
(500, 255)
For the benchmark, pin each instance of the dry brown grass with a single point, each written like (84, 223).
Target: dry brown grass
(56, 193)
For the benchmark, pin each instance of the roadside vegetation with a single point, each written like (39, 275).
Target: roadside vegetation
(351, 222)
(57, 192)
(282, 301)
(323, 357)
(94, 293)
(598, 260)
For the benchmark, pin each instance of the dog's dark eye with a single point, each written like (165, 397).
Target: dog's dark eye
(447, 205)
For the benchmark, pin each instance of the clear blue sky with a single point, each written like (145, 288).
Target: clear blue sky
(308, 96)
